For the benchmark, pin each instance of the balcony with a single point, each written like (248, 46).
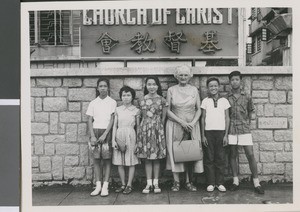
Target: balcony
(280, 23)
(254, 27)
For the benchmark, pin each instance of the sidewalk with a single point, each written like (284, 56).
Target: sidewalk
(67, 195)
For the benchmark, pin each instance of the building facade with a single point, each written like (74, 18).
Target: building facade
(271, 33)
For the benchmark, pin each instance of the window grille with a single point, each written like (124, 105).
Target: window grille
(54, 27)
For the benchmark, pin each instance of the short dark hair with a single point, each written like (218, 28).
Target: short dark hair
(159, 90)
(212, 79)
(100, 80)
(235, 73)
(127, 89)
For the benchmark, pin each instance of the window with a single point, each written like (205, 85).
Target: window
(55, 27)
(253, 13)
(253, 45)
(258, 42)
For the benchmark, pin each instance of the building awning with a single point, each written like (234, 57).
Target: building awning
(280, 23)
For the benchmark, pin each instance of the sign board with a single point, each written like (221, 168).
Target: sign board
(160, 33)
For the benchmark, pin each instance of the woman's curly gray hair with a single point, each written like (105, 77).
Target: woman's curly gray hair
(183, 68)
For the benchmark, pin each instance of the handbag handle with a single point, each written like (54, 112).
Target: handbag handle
(192, 137)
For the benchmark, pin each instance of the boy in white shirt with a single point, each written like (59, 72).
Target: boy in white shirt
(214, 132)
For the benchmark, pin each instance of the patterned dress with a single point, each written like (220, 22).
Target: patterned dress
(151, 143)
(125, 132)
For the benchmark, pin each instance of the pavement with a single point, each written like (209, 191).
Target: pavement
(69, 195)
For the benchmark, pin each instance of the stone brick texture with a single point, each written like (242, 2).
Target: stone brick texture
(60, 132)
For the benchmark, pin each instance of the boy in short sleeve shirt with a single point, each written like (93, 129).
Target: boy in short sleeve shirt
(214, 127)
(239, 130)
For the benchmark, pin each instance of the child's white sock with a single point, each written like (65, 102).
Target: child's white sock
(97, 189)
(105, 184)
(155, 182)
(149, 182)
(256, 182)
(236, 180)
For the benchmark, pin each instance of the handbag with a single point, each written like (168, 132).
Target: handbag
(121, 144)
(187, 150)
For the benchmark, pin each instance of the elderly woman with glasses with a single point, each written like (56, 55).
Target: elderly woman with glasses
(183, 124)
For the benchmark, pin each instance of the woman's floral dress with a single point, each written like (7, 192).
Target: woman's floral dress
(151, 142)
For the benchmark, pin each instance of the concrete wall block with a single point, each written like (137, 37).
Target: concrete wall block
(71, 132)
(259, 110)
(49, 149)
(32, 83)
(246, 84)
(61, 92)
(74, 106)
(48, 82)
(273, 168)
(57, 168)
(34, 162)
(253, 124)
(284, 157)
(41, 117)
(288, 147)
(84, 155)
(243, 158)
(72, 82)
(260, 94)
(266, 157)
(39, 128)
(269, 78)
(50, 92)
(89, 173)
(262, 135)
(284, 110)
(82, 94)
(115, 86)
(283, 135)
(195, 81)
(90, 82)
(32, 108)
(277, 97)
(55, 138)
(262, 85)
(42, 177)
(74, 173)
(284, 83)
(272, 123)
(135, 83)
(83, 138)
(70, 117)
(84, 107)
(271, 146)
(45, 164)
(260, 101)
(290, 120)
(82, 129)
(290, 97)
(269, 110)
(55, 104)
(38, 92)
(38, 104)
(53, 122)
(71, 161)
(289, 171)
(62, 129)
(38, 145)
(67, 149)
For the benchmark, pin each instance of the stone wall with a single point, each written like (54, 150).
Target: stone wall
(59, 124)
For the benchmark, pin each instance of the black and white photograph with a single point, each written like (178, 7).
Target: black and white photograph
(157, 104)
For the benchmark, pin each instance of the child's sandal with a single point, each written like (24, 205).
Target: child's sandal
(127, 190)
(120, 189)
(190, 187)
(176, 186)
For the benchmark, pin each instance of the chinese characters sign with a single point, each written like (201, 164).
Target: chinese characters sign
(160, 33)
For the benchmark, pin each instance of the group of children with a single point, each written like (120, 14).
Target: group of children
(126, 134)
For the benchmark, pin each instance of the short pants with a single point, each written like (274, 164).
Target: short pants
(104, 150)
(240, 140)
